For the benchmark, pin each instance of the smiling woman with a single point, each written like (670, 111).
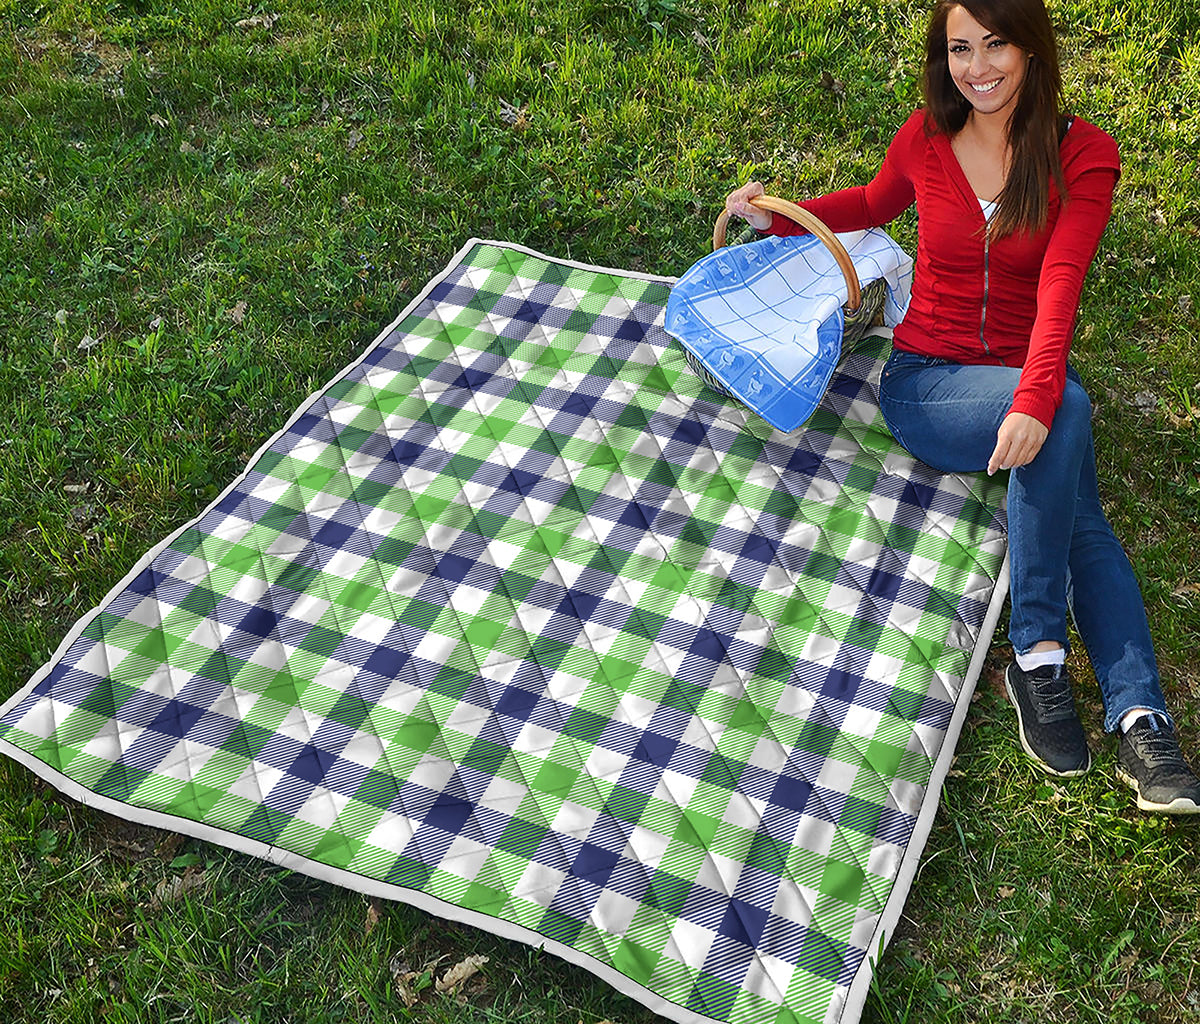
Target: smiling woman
(1012, 198)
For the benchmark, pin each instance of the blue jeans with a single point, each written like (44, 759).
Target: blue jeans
(1062, 549)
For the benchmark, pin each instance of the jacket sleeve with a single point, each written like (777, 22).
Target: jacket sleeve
(880, 201)
(1069, 253)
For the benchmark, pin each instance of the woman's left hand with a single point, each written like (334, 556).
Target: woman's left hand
(1018, 441)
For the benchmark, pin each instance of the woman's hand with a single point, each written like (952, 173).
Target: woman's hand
(737, 203)
(1018, 440)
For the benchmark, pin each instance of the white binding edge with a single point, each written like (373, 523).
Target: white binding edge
(856, 997)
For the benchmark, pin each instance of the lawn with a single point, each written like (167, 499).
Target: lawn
(207, 209)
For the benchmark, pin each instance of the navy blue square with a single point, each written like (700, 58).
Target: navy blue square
(842, 685)
(176, 719)
(472, 379)
(655, 749)
(146, 580)
(691, 432)
(744, 922)
(448, 813)
(452, 567)
(516, 703)
(386, 662)
(630, 330)
(531, 312)
(805, 461)
(407, 452)
(594, 863)
(759, 548)
(791, 793)
(920, 495)
(312, 764)
(884, 584)
(333, 534)
(230, 503)
(636, 514)
(711, 645)
(258, 622)
(579, 604)
(519, 481)
(578, 404)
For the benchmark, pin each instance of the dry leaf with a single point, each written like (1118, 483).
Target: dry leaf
(354, 139)
(186, 147)
(257, 21)
(403, 977)
(831, 84)
(159, 120)
(460, 972)
(75, 488)
(87, 341)
(373, 914)
(238, 313)
(1145, 400)
(171, 889)
(1006, 891)
(156, 323)
(514, 116)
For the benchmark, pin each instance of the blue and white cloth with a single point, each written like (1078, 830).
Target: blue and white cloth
(766, 319)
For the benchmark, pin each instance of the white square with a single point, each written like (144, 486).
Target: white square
(538, 884)
(185, 760)
(689, 944)
(605, 764)
(322, 807)
(574, 820)
(768, 978)
(300, 725)
(535, 740)
(719, 873)
(112, 739)
(256, 782)
(432, 773)
(613, 912)
(743, 812)
(392, 832)
(675, 788)
(645, 847)
(504, 796)
(465, 858)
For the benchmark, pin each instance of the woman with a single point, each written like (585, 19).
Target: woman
(1012, 198)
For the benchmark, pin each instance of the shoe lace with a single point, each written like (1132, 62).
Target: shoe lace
(1053, 694)
(1158, 749)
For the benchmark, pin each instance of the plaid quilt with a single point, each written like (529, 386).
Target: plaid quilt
(517, 622)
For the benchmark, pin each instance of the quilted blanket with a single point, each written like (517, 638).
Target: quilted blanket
(517, 622)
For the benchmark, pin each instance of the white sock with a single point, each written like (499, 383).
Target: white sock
(1036, 659)
(1130, 717)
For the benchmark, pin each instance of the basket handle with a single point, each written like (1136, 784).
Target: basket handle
(806, 220)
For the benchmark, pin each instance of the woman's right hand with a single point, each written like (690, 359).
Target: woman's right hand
(737, 203)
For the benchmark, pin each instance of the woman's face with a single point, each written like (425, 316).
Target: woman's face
(987, 69)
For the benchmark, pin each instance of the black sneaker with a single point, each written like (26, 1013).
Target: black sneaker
(1149, 760)
(1050, 729)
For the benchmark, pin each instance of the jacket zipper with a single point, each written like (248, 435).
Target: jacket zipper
(983, 308)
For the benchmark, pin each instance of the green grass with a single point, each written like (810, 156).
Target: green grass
(230, 215)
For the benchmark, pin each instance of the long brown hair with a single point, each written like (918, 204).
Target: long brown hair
(1035, 126)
